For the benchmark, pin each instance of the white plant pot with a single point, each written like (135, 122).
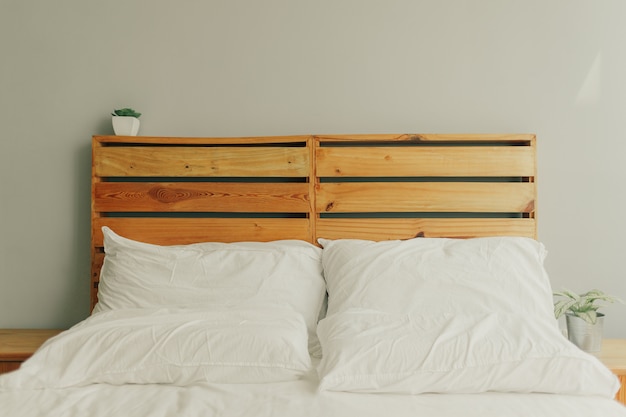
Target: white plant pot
(125, 125)
(587, 337)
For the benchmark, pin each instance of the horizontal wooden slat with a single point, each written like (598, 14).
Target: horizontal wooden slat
(510, 161)
(201, 197)
(221, 161)
(453, 137)
(426, 197)
(385, 229)
(178, 141)
(17, 345)
(183, 231)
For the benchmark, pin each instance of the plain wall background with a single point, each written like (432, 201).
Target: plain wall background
(277, 67)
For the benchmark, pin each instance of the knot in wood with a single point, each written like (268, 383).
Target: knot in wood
(164, 195)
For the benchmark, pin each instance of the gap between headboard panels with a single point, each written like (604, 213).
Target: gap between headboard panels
(168, 190)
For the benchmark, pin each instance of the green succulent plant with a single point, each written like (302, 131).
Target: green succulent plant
(584, 306)
(126, 112)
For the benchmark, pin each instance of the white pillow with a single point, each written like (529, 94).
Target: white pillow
(180, 347)
(284, 273)
(446, 315)
(426, 275)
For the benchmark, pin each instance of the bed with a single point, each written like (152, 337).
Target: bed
(314, 275)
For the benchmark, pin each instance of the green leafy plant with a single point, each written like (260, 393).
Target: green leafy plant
(584, 306)
(126, 112)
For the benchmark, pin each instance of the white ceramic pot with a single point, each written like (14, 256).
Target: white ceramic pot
(586, 336)
(125, 125)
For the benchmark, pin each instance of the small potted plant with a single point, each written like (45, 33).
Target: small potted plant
(125, 122)
(584, 322)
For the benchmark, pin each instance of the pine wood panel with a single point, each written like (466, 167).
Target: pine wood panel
(452, 137)
(613, 356)
(385, 229)
(426, 197)
(307, 157)
(17, 345)
(201, 197)
(219, 161)
(425, 161)
(199, 141)
(181, 231)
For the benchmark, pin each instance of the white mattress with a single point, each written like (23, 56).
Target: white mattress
(287, 399)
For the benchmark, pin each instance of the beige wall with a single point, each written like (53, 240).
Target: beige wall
(249, 67)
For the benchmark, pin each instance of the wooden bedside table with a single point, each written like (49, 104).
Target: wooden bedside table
(17, 345)
(613, 355)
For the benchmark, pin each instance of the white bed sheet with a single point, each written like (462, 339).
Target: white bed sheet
(287, 399)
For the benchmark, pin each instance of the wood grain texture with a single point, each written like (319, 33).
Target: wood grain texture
(426, 197)
(20, 344)
(182, 231)
(222, 161)
(426, 161)
(388, 229)
(17, 345)
(202, 197)
(199, 141)
(420, 137)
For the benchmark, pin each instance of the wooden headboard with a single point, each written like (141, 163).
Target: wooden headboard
(185, 190)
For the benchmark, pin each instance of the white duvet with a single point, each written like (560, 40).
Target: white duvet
(287, 399)
(168, 362)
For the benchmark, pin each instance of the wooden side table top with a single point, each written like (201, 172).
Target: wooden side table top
(613, 355)
(20, 344)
